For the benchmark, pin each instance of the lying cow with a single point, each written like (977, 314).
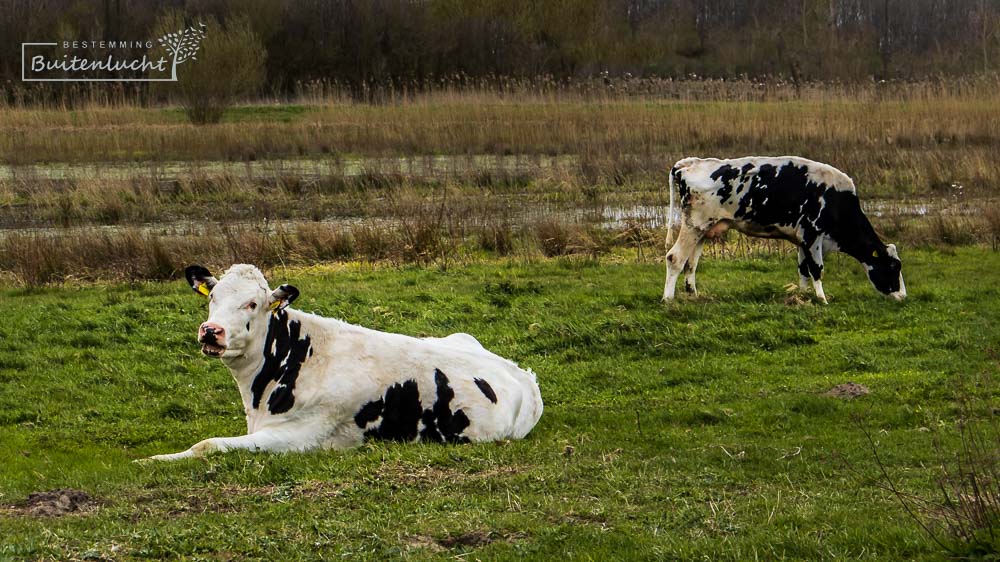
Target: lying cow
(808, 203)
(312, 382)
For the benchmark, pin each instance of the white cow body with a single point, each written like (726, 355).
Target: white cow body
(355, 383)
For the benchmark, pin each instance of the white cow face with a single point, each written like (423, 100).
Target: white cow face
(238, 308)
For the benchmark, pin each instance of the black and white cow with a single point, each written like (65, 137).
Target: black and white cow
(811, 204)
(312, 382)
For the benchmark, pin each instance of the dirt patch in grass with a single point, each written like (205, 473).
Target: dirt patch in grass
(228, 499)
(848, 391)
(424, 475)
(472, 539)
(422, 542)
(181, 502)
(796, 296)
(797, 299)
(56, 503)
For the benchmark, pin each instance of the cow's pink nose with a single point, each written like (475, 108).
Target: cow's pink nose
(211, 329)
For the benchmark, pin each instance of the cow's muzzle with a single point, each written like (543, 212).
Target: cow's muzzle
(212, 338)
(901, 293)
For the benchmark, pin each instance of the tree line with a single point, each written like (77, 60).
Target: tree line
(418, 43)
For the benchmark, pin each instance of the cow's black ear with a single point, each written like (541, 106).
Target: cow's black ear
(283, 296)
(200, 279)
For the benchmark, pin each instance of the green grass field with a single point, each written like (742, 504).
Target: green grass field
(696, 430)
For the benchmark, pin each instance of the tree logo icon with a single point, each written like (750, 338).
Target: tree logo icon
(183, 45)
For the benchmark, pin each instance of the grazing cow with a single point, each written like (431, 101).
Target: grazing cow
(311, 382)
(808, 203)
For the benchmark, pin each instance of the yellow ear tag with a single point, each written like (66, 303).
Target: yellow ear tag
(203, 289)
(875, 253)
(275, 305)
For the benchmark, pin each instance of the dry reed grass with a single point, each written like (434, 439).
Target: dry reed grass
(503, 172)
(898, 141)
(435, 236)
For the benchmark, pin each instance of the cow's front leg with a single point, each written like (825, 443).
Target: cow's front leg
(803, 277)
(264, 440)
(812, 266)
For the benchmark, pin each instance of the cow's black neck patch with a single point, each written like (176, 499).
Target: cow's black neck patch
(401, 414)
(847, 225)
(486, 389)
(285, 349)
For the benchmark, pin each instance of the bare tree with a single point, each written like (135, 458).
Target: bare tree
(986, 29)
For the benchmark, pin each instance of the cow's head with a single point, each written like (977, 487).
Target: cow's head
(238, 307)
(885, 272)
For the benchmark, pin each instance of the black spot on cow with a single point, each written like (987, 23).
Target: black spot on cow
(369, 413)
(682, 187)
(285, 349)
(399, 410)
(780, 196)
(486, 389)
(725, 174)
(441, 424)
(401, 413)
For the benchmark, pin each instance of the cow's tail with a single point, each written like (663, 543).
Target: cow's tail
(670, 213)
(675, 176)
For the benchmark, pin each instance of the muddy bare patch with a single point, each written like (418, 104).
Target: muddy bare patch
(56, 503)
(473, 539)
(477, 539)
(848, 391)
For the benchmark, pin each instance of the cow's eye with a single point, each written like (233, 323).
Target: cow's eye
(252, 306)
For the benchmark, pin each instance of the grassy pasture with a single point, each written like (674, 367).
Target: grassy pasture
(696, 430)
